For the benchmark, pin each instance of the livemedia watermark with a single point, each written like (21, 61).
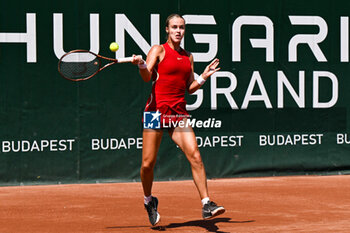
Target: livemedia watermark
(155, 120)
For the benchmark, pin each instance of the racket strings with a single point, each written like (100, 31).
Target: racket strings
(75, 69)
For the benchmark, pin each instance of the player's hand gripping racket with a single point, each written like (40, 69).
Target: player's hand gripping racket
(79, 65)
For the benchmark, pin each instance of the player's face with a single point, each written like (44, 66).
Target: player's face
(176, 29)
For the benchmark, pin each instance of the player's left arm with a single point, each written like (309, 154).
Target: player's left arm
(194, 85)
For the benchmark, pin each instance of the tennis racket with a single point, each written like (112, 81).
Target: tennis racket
(79, 65)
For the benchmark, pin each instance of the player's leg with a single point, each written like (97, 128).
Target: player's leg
(151, 143)
(150, 146)
(186, 140)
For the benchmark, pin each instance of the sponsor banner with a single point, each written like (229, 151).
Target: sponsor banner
(25, 146)
(135, 143)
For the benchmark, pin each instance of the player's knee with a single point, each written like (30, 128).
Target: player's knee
(147, 167)
(196, 159)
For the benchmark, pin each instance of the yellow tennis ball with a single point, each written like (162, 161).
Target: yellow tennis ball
(114, 47)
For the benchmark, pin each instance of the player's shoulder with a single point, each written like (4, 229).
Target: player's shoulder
(157, 49)
(157, 52)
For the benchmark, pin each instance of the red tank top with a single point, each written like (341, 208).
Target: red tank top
(170, 79)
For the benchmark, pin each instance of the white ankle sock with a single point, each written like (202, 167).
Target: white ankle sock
(147, 199)
(205, 200)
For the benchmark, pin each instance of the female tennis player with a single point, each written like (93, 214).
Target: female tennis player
(171, 70)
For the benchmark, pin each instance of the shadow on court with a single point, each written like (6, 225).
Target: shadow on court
(209, 225)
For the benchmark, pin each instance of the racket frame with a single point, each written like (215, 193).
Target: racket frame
(99, 57)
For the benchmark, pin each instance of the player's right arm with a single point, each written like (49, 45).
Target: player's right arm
(154, 56)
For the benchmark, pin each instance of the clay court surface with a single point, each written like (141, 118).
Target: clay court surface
(275, 204)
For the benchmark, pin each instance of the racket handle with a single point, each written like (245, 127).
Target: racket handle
(127, 59)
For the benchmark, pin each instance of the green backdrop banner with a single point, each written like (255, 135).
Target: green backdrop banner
(278, 106)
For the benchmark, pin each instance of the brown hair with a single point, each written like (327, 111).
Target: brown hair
(172, 16)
